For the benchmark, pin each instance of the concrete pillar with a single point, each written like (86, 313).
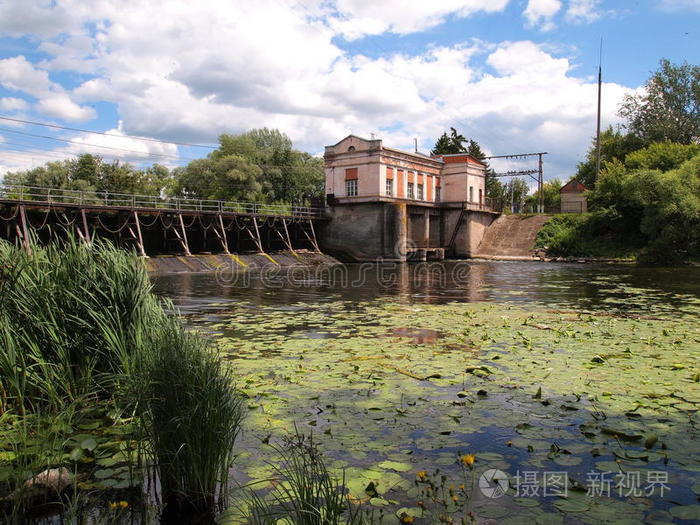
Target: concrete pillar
(426, 228)
(400, 229)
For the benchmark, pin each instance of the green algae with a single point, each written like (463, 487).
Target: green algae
(524, 390)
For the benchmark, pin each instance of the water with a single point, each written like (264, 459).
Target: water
(343, 353)
(590, 287)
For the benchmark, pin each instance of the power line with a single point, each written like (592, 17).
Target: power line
(85, 144)
(56, 126)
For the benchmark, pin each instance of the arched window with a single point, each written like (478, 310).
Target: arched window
(351, 148)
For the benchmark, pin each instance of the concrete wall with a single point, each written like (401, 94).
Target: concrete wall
(471, 230)
(365, 231)
(371, 230)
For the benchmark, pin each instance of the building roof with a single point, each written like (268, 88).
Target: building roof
(573, 186)
(452, 158)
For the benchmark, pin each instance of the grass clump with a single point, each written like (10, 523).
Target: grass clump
(305, 493)
(191, 412)
(71, 322)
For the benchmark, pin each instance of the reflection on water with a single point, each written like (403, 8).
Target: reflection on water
(569, 286)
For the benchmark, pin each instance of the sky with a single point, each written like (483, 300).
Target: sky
(518, 76)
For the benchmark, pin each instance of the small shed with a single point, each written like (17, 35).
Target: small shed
(573, 197)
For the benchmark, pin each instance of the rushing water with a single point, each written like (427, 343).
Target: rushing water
(372, 359)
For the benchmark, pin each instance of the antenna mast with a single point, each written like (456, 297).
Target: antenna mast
(600, 93)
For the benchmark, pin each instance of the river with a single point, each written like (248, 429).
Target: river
(582, 371)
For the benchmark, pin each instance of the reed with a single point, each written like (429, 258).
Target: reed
(71, 320)
(305, 492)
(192, 414)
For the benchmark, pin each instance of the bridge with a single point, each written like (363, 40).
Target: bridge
(154, 225)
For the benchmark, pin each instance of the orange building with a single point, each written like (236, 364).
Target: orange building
(361, 170)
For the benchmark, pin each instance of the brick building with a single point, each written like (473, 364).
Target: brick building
(360, 170)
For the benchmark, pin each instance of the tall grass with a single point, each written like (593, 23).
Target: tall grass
(305, 492)
(71, 320)
(80, 324)
(192, 413)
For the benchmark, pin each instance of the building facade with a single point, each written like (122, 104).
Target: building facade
(358, 169)
(573, 197)
(388, 204)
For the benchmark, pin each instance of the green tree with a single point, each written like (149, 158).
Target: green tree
(669, 108)
(266, 168)
(662, 156)
(552, 197)
(450, 144)
(614, 145)
(514, 195)
(455, 143)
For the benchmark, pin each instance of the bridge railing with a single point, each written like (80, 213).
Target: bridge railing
(43, 195)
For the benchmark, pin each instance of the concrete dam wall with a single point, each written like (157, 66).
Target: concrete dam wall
(243, 262)
(511, 237)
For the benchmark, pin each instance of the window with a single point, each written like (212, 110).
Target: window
(410, 190)
(389, 187)
(351, 188)
(420, 192)
(351, 148)
(437, 194)
(481, 196)
(471, 193)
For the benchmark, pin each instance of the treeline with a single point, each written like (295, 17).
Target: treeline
(509, 196)
(646, 201)
(258, 166)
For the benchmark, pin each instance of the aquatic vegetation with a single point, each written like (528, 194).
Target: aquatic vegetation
(98, 382)
(70, 322)
(304, 491)
(528, 392)
(191, 414)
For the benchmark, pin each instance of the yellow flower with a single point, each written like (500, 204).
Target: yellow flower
(405, 518)
(422, 475)
(123, 504)
(467, 460)
(112, 505)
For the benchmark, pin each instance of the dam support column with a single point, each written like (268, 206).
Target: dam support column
(400, 247)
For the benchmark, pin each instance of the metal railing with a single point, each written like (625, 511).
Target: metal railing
(42, 195)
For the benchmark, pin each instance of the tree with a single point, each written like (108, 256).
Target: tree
(449, 145)
(259, 165)
(515, 192)
(455, 143)
(552, 197)
(669, 109)
(614, 145)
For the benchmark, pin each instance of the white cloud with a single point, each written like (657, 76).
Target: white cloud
(539, 13)
(189, 71)
(13, 104)
(356, 18)
(680, 5)
(583, 11)
(113, 146)
(18, 74)
(60, 105)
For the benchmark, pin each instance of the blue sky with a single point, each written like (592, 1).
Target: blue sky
(516, 75)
